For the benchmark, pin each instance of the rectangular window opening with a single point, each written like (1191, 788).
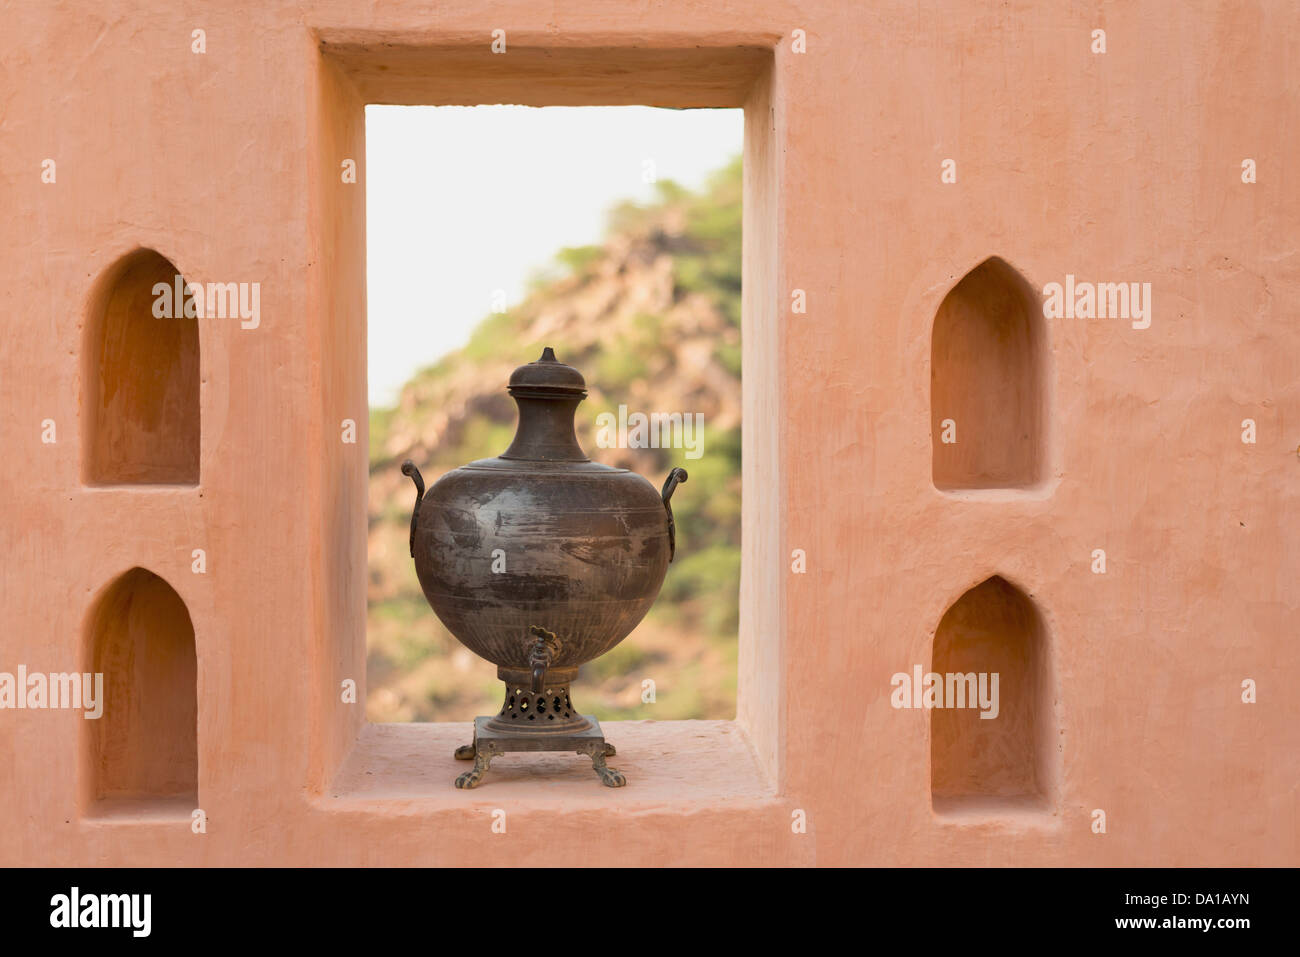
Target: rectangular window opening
(715, 734)
(613, 235)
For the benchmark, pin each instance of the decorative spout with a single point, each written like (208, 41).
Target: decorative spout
(409, 469)
(542, 654)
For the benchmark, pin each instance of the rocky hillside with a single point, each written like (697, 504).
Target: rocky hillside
(652, 319)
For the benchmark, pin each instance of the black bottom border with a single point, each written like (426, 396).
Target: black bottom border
(336, 904)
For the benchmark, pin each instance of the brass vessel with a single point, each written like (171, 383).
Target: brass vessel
(539, 560)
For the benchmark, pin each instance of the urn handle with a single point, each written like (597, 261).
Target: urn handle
(409, 469)
(675, 478)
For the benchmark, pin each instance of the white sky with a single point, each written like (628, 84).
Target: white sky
(461, 201)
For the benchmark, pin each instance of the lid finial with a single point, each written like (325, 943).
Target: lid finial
(547, 378)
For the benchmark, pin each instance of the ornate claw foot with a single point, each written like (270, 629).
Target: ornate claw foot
(472, 777)
(610, 777)
(465, 752)
(609, 750)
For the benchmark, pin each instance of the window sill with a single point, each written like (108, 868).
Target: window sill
(681, 765)
(143, 810)
(1022, 811)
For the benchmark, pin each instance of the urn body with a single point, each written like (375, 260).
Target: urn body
(539, 560)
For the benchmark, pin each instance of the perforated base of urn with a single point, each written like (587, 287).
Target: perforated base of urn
(546, 712)
(537, 721)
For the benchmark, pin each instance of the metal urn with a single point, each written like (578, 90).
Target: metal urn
(540, 560)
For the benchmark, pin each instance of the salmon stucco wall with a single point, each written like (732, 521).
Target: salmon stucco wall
(943, 470)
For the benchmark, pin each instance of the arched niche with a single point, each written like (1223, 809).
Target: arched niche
(1007, 760)
(140, 405)
(145, 744)
(987, 383)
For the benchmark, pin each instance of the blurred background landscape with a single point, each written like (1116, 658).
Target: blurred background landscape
(651, 317)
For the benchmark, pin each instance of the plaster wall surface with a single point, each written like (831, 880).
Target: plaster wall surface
(1124, 166)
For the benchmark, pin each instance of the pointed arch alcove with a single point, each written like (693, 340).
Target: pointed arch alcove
(984, 764)
(140, 393)
(988, 355)
(144, 746)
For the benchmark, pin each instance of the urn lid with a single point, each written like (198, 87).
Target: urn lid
(547, 378)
